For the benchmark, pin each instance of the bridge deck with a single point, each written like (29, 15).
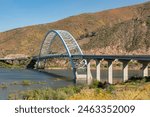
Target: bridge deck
(119, 57)
(105, 57)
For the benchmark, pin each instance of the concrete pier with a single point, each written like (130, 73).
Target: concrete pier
(98, 70)
(110, 71)
(89, 74)
(145, 69)
(125, 70)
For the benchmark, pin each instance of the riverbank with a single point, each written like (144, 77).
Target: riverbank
(11, 66)
(133, 65)
(134, 89)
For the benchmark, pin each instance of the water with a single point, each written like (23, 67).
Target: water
(62, 79)
(8, 76)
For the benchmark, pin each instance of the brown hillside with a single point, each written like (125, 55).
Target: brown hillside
(97, 31)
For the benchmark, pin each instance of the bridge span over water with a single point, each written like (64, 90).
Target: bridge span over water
(70, 49)
(125, 59)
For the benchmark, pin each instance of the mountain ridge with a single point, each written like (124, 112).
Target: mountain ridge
(86, 28)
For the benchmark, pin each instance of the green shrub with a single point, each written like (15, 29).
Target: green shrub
(26, 82)
(3, 85)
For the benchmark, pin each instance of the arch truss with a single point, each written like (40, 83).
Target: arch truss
(68, 41)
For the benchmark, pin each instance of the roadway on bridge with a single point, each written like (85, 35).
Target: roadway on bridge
(105, 57)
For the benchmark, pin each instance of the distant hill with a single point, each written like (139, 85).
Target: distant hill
(118, 31)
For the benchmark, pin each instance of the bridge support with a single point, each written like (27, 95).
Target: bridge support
(98, 70)
(110, 71)
(125, 70)
(74, 75)
(145, 69)
(89, 78)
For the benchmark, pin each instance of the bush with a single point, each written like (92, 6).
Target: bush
(138, 79)
(26, 82)
(3, 86)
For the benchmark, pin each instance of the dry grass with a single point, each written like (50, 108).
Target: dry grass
(122, 92)
(134, 89)
(91, 94)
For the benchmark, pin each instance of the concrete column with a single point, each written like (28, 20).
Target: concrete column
(74, 75)
(110, 71)
(145, 69)
(98, 72)
(125, 70)
(89, 74)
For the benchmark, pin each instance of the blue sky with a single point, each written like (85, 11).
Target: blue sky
(19, 13)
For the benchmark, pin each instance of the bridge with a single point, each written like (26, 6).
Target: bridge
(78, 60)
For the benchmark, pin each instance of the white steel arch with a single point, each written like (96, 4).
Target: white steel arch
(67, 39)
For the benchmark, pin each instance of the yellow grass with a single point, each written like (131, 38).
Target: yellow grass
(122, 92)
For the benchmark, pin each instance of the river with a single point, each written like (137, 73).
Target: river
(62, 79)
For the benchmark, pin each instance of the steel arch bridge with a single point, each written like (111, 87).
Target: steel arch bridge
(68, 41)
(78, 60)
